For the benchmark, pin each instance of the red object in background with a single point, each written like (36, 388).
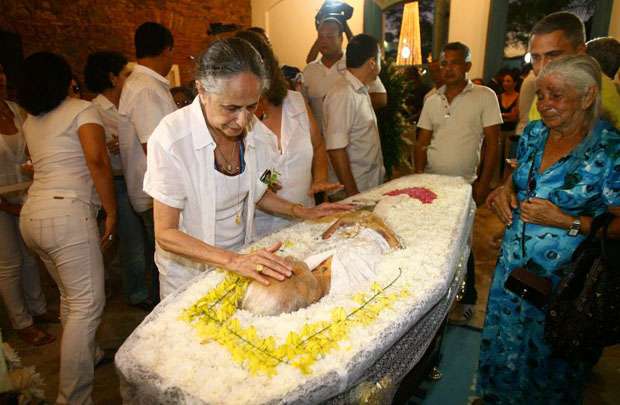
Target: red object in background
(421, 193)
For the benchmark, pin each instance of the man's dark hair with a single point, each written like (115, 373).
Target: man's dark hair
(98, 68)
(361, 48)
(568, 23)
(43, 82)
(460, 47)
(278, 86)
(606, 51)
(152, 39)
(260, 31)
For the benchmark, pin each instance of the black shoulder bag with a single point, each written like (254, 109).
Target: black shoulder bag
(584, 312)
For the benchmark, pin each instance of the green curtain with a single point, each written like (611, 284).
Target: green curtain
(373, 19)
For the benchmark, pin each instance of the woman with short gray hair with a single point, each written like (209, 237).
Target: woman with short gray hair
(207, 172)
(584, 75)
(567, 174)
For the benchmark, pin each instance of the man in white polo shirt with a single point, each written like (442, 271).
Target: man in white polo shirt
(454, 123)
(145, 100)
(452, 127)
(350, 125)
(320, 75)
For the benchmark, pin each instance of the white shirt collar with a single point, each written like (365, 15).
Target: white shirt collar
(355, 82)
(340, 65)
(468, 87)
(103, 102)
(150, 72)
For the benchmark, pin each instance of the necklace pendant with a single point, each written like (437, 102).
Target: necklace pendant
(238, 219)
(229, 168)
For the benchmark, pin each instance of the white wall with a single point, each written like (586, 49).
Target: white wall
(469, 25)
(614, 21)
(290, 26)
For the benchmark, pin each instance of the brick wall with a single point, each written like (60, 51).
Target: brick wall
(74, 28)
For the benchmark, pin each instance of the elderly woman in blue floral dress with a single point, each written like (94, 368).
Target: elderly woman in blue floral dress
(568, 172)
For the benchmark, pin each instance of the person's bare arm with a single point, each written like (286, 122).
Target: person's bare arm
(275, 204)
(92, 139)
(347, 31)
(13, 209)
(319, 160)
(482, 186)
(512, 115)
(503, 200)
(423, 139)
(171, 239)
(544, 212)
(378, 100)
(342, 168)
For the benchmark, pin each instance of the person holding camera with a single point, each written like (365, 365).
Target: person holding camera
(320, 75)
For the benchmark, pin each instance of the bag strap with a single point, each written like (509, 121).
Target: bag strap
(600, 222)
(606, 221)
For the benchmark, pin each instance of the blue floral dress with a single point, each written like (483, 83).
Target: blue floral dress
(516, 366)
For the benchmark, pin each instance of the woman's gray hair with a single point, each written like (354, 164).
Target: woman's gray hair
(228, 57)
(580, 72)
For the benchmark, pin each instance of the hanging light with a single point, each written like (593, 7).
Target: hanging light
(409, 43)
(405, 53)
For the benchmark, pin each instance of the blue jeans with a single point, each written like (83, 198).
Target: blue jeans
(131, 246)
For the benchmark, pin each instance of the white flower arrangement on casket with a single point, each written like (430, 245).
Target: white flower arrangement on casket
(213, 317)
(201, 344)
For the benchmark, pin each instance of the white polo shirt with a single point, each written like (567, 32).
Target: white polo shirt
(350, 122)
(145, 100)
(318, 79)
(458, 129)
(181, 174)
(110, 119)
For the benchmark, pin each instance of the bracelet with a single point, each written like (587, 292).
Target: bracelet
(293, 209)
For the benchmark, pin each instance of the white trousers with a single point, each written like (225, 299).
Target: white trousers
(20, 284)
(63, 232)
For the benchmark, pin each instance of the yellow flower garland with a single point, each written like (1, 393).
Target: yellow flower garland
(212, 317)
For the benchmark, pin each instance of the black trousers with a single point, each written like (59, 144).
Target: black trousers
(470, 296)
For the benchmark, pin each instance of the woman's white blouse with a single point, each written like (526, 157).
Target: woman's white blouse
(56, 152)
(294, 162)
(111, 119)
(12, 151)
(181, 174)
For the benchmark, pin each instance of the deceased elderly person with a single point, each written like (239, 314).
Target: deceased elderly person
(347, 259)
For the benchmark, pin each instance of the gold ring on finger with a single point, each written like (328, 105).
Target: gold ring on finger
(259, 268)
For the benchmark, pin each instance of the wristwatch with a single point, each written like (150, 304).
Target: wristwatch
(574, 228)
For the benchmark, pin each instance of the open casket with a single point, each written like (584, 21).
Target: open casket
(193, 348)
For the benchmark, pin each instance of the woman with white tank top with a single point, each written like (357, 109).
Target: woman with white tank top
(20, 284)
(72, 179)
(295, 140)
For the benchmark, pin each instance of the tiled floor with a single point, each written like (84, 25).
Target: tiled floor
(119, 320)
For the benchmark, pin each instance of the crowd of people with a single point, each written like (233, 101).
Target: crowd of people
(182, 179)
